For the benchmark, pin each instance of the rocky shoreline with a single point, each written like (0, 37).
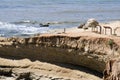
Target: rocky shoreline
(89, 51)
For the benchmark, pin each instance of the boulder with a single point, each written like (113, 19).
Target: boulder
(81, 25)
(91, 23)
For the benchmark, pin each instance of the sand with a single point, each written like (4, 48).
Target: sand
(81, 32)
(113, 25)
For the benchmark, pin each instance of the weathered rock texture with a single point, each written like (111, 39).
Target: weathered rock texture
(91, 52)
(91, 23)
(27, 70)
(112, 70)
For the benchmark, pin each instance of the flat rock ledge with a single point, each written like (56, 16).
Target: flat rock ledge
(24, 69)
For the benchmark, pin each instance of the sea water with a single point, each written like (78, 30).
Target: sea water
(22, 17)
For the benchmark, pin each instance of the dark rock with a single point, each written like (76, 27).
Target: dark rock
(21, 74)
(44, 25)
(91, 23)
(81, 26)
(6, 71)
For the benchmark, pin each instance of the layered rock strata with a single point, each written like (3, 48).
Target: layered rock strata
(91, 52)
(112, 71)
(27, 70)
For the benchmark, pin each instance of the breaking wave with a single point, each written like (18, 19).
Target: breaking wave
(8, 29)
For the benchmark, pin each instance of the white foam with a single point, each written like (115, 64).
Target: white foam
(20, 29)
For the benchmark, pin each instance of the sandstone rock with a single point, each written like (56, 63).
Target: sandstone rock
(6, 78)
(90, 23)
(41, 71)
(21, 74)
(22, 41)
(91, 52)
(31, 41)
(112, 71)
(35, 77)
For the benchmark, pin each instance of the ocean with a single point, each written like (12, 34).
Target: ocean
(22, 17)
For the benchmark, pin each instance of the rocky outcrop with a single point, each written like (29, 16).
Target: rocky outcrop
(112, 71)
(91, 52)
(36, 70)
(90, 23)
(81, 25)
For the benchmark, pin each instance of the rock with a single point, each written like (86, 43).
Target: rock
(81, 26)
(43, 71)
(91, 23)
(43, 78)
(91, 52)
(112, 70)
(6, 78)
(21, 74)
(31, 41)
(6, 71)
(44, 25)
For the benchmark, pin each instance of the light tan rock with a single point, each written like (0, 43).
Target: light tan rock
(112, 70)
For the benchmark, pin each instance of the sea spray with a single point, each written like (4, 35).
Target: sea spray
(7, 29)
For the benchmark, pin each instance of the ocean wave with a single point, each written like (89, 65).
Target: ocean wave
(97, 10)
(64, 22)
(50, 22)
(7, 29)
(24, 22)
(26, 27)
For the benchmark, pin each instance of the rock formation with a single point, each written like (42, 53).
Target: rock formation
(87, 51)
(27, 70)
(81, 26)
(91, 23)
(112, 71)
